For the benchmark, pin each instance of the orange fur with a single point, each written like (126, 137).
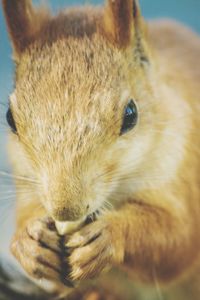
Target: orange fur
(73, 81)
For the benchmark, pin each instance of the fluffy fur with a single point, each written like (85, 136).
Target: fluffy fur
(73, 80)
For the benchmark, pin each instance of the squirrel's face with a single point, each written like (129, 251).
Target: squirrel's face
(78, 122)
(74, 109)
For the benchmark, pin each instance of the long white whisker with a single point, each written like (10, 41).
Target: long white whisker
(19, 177)
(10, 184)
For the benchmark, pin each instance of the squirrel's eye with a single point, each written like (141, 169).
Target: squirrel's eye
(11, 121)
(130, 117)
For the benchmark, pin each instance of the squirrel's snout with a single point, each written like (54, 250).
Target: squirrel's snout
(63, 199)
(65, 214)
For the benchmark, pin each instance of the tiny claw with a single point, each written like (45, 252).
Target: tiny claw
(68, 282)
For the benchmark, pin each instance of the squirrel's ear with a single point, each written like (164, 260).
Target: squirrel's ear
(122, 20)
(23, 22)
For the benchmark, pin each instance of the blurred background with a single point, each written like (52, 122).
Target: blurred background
(186, 11)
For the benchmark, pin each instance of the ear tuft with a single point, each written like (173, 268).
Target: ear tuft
(120, 21)
(22, 21)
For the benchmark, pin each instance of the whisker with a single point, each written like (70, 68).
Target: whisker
(18, 177)
(6, 183)
(9, 187)
(130, 168)
(108, 204)
(103, 210)
(13, 193)
(148, 181)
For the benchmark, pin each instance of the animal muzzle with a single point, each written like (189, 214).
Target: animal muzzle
(64, 214)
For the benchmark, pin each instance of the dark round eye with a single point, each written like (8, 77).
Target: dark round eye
(11, 121)
(130, 117)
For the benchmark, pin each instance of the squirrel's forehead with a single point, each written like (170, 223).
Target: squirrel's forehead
(78, 56)
(102, 98)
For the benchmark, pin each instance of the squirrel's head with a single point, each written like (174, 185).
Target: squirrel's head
(82, 86)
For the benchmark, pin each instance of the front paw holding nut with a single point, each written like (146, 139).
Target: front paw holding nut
(38, 249)
(48, 257)
(94, 249)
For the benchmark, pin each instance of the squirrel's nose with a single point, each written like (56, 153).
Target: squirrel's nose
(65, 214)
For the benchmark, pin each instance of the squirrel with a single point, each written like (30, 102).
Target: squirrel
(104, 119)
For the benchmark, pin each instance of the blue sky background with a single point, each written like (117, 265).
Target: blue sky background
(186, 11)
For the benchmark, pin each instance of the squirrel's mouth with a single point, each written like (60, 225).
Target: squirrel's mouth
(69, 227)
(69, 215)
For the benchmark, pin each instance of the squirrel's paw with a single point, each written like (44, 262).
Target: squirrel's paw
(37, 248)
(94, 249)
